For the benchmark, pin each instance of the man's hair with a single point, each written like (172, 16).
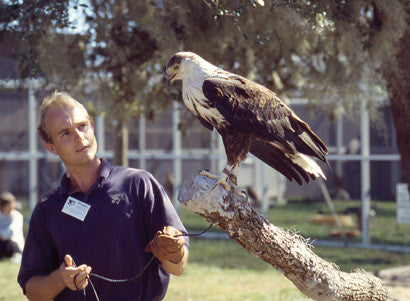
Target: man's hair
(57, 99)
(6, 197)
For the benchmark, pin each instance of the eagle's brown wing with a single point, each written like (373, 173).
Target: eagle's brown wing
(257, 111)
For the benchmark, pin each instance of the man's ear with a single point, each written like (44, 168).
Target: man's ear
(50, 147)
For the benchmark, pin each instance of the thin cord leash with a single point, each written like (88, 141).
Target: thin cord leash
(109, 279)
(128, 279)
(194, 234)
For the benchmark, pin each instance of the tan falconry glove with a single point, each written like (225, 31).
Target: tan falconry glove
(165, 246)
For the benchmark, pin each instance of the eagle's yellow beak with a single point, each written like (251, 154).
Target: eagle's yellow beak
(168, 77)
(170, 74)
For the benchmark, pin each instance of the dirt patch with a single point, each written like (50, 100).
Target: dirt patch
(398, 281)
(399, 293)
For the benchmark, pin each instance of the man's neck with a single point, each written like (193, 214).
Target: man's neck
(84, 176)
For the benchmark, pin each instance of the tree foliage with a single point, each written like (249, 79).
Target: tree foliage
(335, 53)
(28, 21)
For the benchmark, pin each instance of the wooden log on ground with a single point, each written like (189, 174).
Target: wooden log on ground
(288, 252)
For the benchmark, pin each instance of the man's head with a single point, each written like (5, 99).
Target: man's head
(57, 100)
(7, 202)
(67, 129)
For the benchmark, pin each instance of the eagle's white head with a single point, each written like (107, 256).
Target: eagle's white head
(193, 70)
(184, 65)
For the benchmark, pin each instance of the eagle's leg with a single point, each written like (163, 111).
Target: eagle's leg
(208, 174)
(226, 173)
(232, 174)
(221, 179)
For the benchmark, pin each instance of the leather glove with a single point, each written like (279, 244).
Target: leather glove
(165, 246)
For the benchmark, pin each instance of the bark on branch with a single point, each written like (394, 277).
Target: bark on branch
(288, 252)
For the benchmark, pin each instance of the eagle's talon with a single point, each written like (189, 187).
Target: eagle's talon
(206, 173)
(233, 178)
(223, 184)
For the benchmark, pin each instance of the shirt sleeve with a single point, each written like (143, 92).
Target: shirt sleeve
(39, 255)
(16, 228)
(6, 232)
(159, 211)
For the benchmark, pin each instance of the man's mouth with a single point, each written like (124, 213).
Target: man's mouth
(82, 149)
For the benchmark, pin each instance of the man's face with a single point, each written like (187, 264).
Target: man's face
(72, 135)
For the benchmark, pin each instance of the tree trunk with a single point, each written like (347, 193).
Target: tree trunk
(397, 75)
(285, 251)
(121, 144)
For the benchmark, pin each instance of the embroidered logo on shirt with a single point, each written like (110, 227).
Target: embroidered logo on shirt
(116, 198)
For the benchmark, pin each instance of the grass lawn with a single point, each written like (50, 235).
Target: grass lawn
(223, 270)
(297, 216)
(202, 282)
(10, 290)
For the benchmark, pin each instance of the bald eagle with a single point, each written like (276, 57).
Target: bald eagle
(249, 117)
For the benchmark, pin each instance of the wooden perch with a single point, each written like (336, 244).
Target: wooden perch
(288, 252)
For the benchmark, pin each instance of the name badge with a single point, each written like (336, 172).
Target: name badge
(76, 208)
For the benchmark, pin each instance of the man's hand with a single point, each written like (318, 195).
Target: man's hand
(167, 244)
(75, 278)
(47, 287)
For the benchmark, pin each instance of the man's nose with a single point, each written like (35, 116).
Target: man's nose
(79, 136)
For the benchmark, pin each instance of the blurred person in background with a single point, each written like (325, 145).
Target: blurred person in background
(11, 228)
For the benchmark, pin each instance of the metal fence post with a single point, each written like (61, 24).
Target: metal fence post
(176, 147)
(100, 134)
(365, 172)
(32, 142)
(142, 135)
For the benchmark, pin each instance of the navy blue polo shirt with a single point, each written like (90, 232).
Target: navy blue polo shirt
(128, 206)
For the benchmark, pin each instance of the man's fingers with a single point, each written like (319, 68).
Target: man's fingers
(68, 260)
(75, 278)
(85, 268)
(81, 280)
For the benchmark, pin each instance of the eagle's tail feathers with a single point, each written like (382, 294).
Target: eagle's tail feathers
(304, 143)
(275, 158)
(309, 165)
(294, 166)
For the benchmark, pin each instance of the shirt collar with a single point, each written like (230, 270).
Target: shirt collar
(105, 170)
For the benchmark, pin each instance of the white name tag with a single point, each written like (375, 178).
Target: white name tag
(76, 208)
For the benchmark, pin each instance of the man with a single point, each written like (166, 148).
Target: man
(101, 216)
(11, 228)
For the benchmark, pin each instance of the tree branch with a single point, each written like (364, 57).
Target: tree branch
(288, 252)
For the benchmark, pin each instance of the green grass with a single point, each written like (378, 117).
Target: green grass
(208, 282)
(223, 270)
(383, 226)
(227, 254)
(10, 290)
(297, 216)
